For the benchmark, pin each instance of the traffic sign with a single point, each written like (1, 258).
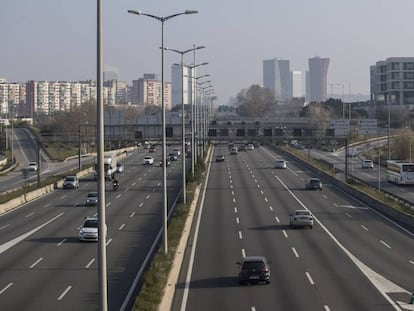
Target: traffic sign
(367, 126)
(340, 126)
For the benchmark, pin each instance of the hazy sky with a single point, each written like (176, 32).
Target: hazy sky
(56, 39)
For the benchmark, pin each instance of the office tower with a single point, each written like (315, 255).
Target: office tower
(392, 82)
(110, 73)
(277, 78)
(318, 79)
(298, 84)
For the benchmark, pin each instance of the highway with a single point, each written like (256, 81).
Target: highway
(353, 258)
(43, 266)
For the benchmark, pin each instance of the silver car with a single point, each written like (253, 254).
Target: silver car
(301, 218)
(91, 199)
(71, 182)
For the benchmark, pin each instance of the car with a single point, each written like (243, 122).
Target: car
(32, 166)
(173, 156)
(177, 152)
(119, 167)
(233, 151)
(280, 164)
(152, 149)
(89, 229)
(148, 160)
(250, 147)
(71, 182)
(367, 164)
(91, 199)
(220, 158)
(313, 184)
(301, 218)
(254, 269)
(242, 148)
(167, 162)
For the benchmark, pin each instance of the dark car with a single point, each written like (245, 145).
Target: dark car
(173, 156)
(242, 148)
(254, 269)
(313, 184)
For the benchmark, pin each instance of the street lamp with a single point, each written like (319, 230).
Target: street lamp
(193, 159)
(162, 19)
(183, 113)
(200, 120)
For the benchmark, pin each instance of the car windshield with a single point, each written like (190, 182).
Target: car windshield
(91, 224)
(250, 265)
(300, 213)
(70, 178)
(90, 195)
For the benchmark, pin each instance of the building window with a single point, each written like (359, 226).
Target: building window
(395, 66)
(408, 75)
(395, 85)
(408, 66)
(409, 85)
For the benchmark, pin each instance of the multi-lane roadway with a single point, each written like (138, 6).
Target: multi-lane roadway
(43, 266)
(352, 259)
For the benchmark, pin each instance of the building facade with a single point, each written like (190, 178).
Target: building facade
(298, 84)
(178, 81)
(277, 78)
(318, 79)
(392, 83)
(147, 92)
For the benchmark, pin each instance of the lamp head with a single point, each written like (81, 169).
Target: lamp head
(135, 12)
(190, 12)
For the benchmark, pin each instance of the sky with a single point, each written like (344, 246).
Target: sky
(56, 40)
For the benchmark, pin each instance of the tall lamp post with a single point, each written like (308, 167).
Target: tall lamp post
(198, 113)
(193, 159)
(183, 113)
(201, 120)
(163, 19)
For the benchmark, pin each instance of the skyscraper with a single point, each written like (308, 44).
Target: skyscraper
(277, 78)
(318, 79)
(298, 84)
(178, 83)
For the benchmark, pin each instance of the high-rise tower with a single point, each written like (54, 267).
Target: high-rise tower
(318, 79)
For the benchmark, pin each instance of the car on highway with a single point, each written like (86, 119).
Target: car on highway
(177, 152)
(119, 167)
(91, 199)
(242, 148)
(173, 156)
(71, 182)
(219, 158)
(301, 218)
(280, 164)
(152, 149)
(367, 164)
(254, 269)
(233, 151)
(89, 229)
(32, 166)
(313, 184)
(250, 147)
(148, 160)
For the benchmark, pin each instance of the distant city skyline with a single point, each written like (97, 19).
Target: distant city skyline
(56, 41)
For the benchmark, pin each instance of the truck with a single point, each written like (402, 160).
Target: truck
(110, 167)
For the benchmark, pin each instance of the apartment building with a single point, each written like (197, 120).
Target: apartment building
(392, 83)
(146, 91)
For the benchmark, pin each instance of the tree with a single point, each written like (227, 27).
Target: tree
(256, 101)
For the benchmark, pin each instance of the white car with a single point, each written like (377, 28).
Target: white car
(280, 164)
(367, 164)
(32, 166)
(89, 230)
(148, 160)
(177, 152)
(301, 218)
(250, 147)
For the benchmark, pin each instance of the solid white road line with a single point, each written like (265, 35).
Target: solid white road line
(13, 242)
